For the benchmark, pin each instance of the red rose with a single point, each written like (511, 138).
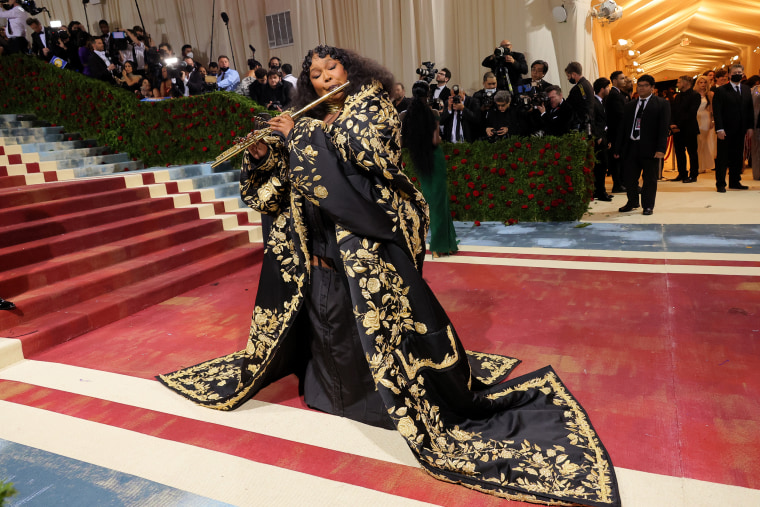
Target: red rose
(502, 188)
(511, 180)
(121, 138)
(464, 161)
(471, 184)
(453, 198)
(508, 203)
(532, 184)
(490, 196)
(531, 174)
(490, 206)
(524, 206)
(547, 208)
(477, 166)
(495, 156)
(477, 223)
(518, 145)
(480, 201)
(549, 191)
(447, 157)
(493, 170)
(205, 148)
(541, 173)
(467, 206)
(455, 183)
(568, 158)
(456, 151)
(531, 196)
(513, 166)
(467, 176)
(475, 193)
(414, 179)
(504, 156)
(453, 168)
(520, 191)
(541, 185)
(557, 155)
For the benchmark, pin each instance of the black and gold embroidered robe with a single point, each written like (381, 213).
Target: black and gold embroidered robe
(526, 439)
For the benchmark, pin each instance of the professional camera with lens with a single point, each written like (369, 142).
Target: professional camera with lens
(456, 99)
(118, 41)
(501, 52)
(529, 97)
(28, 5)
(427, 71)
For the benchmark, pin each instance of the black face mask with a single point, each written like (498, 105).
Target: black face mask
(223, 69)
(572, 80)
(736, 78)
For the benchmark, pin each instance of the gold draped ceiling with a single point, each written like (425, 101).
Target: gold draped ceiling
(717, 31)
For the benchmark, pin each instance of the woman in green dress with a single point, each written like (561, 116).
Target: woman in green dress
(420, 136)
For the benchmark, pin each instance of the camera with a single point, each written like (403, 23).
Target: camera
(501, 52)
(455, 94)
(59, 34)
(486, 102)
(28, 5)
(530, 98)
(118, 41)
(427, 71)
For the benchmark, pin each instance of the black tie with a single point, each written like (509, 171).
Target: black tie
(738, 90)
(637, 121)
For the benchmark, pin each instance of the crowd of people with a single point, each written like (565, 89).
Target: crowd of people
(712, 118)
(128, 58)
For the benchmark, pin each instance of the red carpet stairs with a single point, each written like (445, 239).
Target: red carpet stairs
(78, 251)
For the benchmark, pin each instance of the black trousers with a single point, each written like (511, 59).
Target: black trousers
(337, 378)
(600, 169)
(686, 143)
(731, 157)
(615, 170)
(634, 167)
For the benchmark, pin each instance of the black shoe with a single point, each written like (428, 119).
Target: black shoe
(618, 190)
(628, 207)
(605, 197)
(738, 187)
(6, 305)
(689, 180)
(647, 211)
(679, 178)
(722, 190)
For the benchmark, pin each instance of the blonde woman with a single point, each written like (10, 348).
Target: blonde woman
(706, 142)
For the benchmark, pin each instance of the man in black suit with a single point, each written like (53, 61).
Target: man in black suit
(441, 91)
(641, 143)
(601, 145)
(734, 119)
(581, 97)
(41, 39)
(685, 129)
(555, 120)
(460, 119)
(613, 106)
(100, 65)
(508, 66)
(536, 82)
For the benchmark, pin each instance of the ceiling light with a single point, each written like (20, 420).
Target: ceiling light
(635, 64)
(632, 53)
(685, 42)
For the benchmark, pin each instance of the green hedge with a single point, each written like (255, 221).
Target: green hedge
(178, 131)
(519, 180)
(522, 180)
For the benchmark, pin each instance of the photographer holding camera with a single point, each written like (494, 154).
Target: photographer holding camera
(484, 99)
(276, 94)
(508, 66)
(460, 117)
(555, 118)
(16, 29)
(501, 121)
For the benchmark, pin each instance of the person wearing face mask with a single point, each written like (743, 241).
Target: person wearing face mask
(228, 79)
(342, 303)
(580, 98)
(734, 117)
(483, 100)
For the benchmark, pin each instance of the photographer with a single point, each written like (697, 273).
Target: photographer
(507, 66)
(501, 121)
(484, 99)
(460, 118)
(554, 119)
(535, 82)
(277, 93)
(16, 29)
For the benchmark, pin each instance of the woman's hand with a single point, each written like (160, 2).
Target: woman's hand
(282, 124)
(258, 150)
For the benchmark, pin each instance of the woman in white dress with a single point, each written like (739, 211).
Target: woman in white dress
(707, 141)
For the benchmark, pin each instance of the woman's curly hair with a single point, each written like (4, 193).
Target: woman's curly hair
(360, 70)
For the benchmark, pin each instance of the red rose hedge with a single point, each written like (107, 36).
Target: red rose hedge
(519, 180)
(176, 131)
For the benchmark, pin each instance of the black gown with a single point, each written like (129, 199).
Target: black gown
(526, 439)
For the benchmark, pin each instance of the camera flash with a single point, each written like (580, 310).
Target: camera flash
(56, 23)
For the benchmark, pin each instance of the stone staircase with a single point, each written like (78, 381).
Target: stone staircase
(88, 237)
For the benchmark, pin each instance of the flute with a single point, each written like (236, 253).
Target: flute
(255, 137)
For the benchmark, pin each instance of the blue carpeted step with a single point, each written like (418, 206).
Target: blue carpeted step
(27, 131)
(76, 153)
(104, 169)
(72, 163)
